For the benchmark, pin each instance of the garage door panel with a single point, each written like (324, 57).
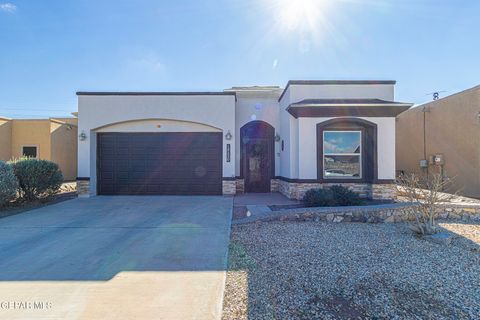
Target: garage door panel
(108, 188)
(159, 163)
(108, 175)
(185, 151)
(107, 165)
(105, 141)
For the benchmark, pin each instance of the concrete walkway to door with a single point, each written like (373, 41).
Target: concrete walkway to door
(156, 257)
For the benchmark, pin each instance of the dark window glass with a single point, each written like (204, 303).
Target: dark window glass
(30, 152)
(339, 166)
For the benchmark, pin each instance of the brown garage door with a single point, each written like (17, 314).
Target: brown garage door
(159, 163)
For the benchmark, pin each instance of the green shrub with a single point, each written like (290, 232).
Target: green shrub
(8, 183)
(319, 198)
(37, 178)
(331, 197)
(345, 197)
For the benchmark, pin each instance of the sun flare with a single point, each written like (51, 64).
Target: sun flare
(300, 14)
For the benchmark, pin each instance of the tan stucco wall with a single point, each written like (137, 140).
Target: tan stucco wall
(56, 140)
(452, 129)
(5, 139)
(73, 121)
(64, 147)
(31, 132)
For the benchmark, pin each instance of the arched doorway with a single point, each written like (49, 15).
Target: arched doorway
(257, 162)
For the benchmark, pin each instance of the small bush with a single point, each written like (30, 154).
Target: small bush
(345, 197)
(37, 178)
(8, 183)
(425, 191)
(319, 198)
(331, 197)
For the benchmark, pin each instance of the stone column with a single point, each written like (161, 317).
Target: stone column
(240, 184)
(83, 187)
(229, 187)
(384, 191)
(274, 185)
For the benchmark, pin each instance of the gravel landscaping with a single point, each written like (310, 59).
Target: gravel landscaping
(311, 270)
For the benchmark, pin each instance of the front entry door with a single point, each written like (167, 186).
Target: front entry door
(259, 168)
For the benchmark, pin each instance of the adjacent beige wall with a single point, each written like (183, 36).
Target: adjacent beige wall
(452, 129)
(5, 139)
(31, 133)
(64, 147)
(56, 140)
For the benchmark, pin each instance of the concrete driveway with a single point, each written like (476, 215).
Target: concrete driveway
(116, 258)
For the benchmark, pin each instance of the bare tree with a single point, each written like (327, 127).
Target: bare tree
(425, 193)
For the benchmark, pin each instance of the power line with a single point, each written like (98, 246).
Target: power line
(435, 94)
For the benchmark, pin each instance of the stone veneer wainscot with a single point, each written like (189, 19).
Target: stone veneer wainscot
(294, 190)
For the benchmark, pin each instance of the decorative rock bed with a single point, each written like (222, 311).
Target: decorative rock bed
(388, 213)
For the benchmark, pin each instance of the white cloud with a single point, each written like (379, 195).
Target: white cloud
(8, 7)
(149, 62)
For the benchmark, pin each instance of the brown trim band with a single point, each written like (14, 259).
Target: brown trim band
(102, 93)
(228, 179)
(347, 111)
(335, 82)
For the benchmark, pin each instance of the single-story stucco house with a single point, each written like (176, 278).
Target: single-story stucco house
(244, 139)
(53, 139)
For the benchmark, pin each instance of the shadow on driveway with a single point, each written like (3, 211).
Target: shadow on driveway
(107, 257)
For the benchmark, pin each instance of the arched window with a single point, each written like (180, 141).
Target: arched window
(346, 150)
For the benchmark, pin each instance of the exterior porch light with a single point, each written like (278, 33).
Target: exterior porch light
(228, 136)
(277, 137)
(82, 136)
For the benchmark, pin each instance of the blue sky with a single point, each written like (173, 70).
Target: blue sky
(51, 49)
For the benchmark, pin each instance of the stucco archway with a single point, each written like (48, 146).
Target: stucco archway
(156, 125)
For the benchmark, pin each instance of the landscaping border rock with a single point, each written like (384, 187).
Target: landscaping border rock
(385, 213)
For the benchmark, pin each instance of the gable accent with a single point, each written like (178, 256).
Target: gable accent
(346, 108)
(335, 82)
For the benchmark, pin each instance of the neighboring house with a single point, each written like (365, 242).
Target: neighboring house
(244, 139)
(448, 131)
(53, 139)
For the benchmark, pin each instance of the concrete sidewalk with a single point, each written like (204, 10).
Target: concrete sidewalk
(116, 258)
(267, 199)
